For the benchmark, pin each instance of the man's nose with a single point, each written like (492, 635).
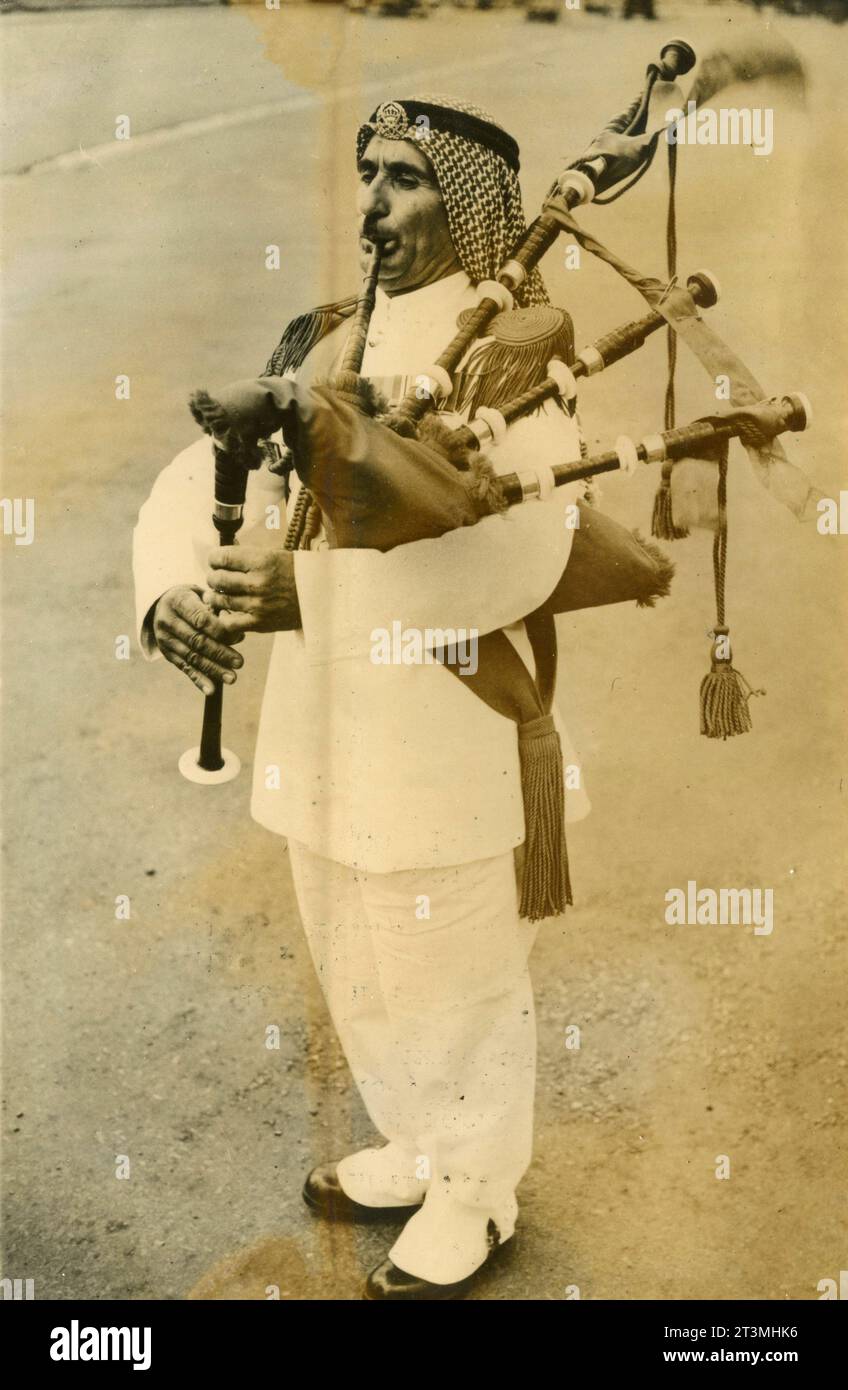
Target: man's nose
(374, 198)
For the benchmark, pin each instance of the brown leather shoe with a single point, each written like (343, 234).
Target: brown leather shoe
(389, 1282)
(323, 1194)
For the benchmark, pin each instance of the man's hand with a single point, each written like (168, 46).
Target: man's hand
(252, 589)
(192, 638)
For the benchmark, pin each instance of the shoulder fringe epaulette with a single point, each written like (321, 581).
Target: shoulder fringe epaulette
(304, 332)
(514, 356)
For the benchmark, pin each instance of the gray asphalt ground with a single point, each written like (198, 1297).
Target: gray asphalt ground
(146, 1037)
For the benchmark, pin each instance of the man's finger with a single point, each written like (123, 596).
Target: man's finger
(231, 603)
(197, 615)
(214, 601)
(219, 652)
(238, 624)
(233, 557)
(242, 582)
(199, 661)
(202, 682)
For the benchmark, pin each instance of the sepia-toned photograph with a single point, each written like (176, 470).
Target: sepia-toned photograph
(425, 543)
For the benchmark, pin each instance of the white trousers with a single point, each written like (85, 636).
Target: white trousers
(425, 975)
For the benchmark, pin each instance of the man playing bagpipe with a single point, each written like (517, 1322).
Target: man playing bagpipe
(400, 793)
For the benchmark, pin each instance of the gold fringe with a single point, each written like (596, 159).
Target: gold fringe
(497, 372)
(304, 332)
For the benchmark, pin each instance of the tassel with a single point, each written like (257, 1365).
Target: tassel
(662, 521)
(546, 886)
(725, 693)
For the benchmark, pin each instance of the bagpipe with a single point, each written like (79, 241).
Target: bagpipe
(376, 477)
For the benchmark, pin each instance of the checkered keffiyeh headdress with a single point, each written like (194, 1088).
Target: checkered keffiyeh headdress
(476, 166)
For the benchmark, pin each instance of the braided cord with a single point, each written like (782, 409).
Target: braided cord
(720, 541)
(671, 251)
(302, 526)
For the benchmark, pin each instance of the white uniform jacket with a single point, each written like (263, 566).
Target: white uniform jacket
(383, 767)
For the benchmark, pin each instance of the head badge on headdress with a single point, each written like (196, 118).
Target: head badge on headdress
(476, 166)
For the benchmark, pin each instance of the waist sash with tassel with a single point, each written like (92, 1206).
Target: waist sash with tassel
(503, 682)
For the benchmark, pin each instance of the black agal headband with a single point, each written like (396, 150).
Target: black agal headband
(402, 120)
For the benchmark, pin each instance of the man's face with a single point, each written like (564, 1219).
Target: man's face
(399, 203)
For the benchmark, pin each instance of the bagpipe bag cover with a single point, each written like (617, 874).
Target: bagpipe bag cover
(378, 489)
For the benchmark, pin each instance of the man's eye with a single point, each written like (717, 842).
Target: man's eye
(406, 181)
(365, 176)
